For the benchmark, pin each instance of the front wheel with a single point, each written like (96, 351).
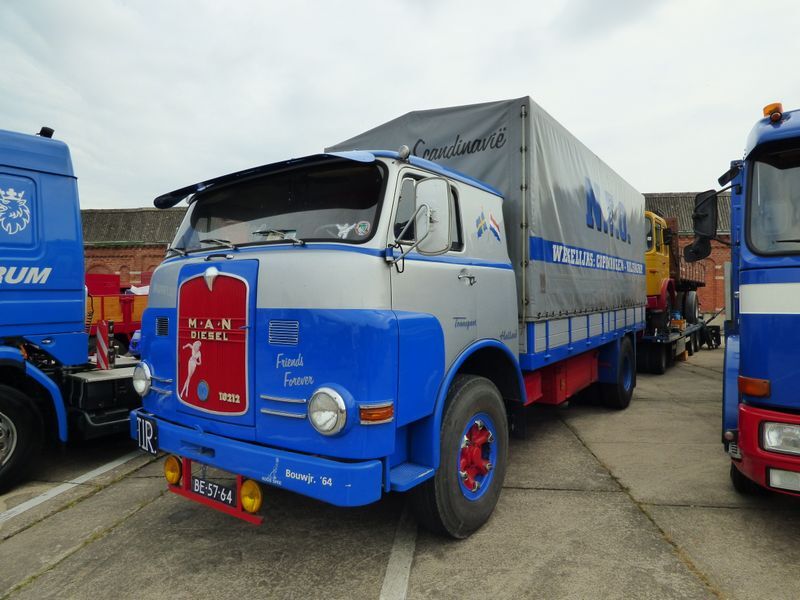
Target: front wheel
(744, 485)
(19, 435)
(462, 494)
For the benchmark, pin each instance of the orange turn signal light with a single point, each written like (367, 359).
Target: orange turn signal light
(377, 413)
(173, 469)
(774, 111)
(754, 387)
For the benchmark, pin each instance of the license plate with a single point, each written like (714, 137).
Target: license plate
(148, 434)
(214, 491)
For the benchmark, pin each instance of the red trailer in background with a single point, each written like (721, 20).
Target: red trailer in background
(108, 301)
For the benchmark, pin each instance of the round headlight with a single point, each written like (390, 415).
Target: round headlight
(327, 411)
(141, 378)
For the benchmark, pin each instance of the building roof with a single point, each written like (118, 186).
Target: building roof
(681, 205)
(156, 226)
(130, 226)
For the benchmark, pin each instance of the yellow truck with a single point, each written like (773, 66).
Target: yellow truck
(673, 324)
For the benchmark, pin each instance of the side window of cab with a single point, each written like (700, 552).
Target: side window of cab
(403, 227)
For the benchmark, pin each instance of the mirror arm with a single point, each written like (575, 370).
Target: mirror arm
(394, 259)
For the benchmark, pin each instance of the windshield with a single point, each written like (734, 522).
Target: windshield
(774, 204)
(335, 201)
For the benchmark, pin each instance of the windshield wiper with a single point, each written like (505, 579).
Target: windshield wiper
(284, 235)
(221, 242)
(177, 250)
(788, 241)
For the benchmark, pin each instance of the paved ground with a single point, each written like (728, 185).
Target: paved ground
(597, 504)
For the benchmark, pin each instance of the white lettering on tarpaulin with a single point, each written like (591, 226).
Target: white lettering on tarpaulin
(27, 275)
(578, 257)
(307, 478)
(14, 212)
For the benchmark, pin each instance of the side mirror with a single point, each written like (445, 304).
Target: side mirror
(667, 237)
(704, 218)
(432, 216)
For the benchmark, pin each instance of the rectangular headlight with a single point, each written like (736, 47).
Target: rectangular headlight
(781, 437)
(785, 480)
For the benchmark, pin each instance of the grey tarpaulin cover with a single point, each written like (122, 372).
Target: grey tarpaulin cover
(582, 249)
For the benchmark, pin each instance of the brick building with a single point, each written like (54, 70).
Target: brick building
(128, 242)
(132, 242)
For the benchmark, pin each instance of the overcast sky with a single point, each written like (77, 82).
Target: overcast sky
(152, 96)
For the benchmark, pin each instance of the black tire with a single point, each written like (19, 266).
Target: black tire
(618, 395)
(690, 307)
(743, 485)
(20, 435)
(440, 504)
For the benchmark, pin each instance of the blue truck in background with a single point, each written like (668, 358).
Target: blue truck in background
(48, 387)
(761, 405)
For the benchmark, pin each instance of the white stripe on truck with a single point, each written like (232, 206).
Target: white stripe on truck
(769, 299)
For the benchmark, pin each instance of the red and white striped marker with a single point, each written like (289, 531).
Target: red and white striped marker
(104, 354)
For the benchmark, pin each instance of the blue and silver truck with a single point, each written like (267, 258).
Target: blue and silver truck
(48, 387)
(363, 321)
(761, 406)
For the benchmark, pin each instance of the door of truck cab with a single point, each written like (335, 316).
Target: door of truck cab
(443, 286)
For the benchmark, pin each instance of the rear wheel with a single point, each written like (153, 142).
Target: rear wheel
(618, 395)
(462, 494)
(20, 435)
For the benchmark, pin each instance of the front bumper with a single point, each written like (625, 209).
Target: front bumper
(332, 481)
(756, 462)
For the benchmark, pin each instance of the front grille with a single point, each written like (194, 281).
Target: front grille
(284, 333)
(162, 326)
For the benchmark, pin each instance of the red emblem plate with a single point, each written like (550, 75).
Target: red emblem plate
(212, 343)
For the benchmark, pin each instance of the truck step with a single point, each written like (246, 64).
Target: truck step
(406, 475)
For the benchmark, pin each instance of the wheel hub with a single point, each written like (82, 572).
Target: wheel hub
(474, 463)
(8, 439)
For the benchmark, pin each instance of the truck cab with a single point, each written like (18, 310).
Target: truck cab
(308, 312)
(47, 386)
(761, 426)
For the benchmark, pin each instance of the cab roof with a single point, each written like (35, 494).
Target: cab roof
(34, 153)
(765, 131)
(174, 197)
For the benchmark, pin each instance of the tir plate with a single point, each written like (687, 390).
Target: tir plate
(147, 435)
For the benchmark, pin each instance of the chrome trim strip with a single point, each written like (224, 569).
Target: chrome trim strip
(288, 400)
(281, 413)
(377, 422)
(161, 379)
(161, 391)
